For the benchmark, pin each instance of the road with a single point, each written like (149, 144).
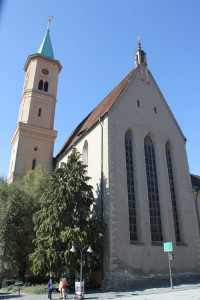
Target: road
(180, 292)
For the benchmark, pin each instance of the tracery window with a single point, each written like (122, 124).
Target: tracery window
(130, 186)
(153, 195)
(85, 156)
(172, 190)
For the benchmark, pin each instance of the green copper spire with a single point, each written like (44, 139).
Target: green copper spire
(46, 47)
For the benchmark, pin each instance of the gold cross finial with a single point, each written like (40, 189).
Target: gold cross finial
(139, 44)
(49, 20)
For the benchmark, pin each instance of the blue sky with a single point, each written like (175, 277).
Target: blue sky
(95, 42)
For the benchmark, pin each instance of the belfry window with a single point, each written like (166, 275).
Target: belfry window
(130, 186)
(172, 190)
(153, 195)
(33, 164)
(43, 86)
(46, 86)
(40, 85)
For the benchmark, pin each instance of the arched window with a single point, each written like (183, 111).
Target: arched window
(172, 190)
(153, 195)
(39, 112)
(85, 156)
(40, 85)
(46, 85)
(130, 186)
(33, 164)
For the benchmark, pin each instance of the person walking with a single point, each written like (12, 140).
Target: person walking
(60, 288)
(50, 288)
(64, 288)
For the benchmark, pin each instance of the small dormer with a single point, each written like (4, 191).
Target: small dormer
(140, 55)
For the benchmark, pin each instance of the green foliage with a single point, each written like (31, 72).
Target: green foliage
(18, 203)
(66, 219)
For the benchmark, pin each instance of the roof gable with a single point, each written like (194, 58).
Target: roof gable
(104, 107)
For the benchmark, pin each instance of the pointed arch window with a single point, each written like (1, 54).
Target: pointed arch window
(46, 86)
(130, 186)
(34, 164)
(172, 190)
(153, 195)
(85, 156)
(40, 85)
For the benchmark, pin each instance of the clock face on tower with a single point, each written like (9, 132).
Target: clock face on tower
(45, 71)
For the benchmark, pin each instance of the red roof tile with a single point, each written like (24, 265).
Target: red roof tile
(104, 106)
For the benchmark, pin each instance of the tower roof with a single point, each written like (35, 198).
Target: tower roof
(46, 46)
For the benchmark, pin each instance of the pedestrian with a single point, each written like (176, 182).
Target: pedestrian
(64, 288)
(50, 288)
(60, 288)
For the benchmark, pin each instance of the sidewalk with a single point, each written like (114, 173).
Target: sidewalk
(185, 291)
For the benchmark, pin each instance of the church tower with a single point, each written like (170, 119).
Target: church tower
(33, 139)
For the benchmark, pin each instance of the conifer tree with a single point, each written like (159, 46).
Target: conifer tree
(66, 218)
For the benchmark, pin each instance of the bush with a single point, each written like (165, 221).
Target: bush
(7, 282)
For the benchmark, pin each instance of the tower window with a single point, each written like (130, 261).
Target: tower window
(130, 187)
(138, 103)
(153, 195)
(46, 85)
(40, 85)
(33, 164)
(155, 110)
(39, 112)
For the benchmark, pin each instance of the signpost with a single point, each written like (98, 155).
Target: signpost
(167, 248)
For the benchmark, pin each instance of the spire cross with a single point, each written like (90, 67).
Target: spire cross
(139, 44)
(49, 20)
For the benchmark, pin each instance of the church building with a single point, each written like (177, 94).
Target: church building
(135, 154)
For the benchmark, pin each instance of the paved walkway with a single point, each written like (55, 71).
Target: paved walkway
(186, 292)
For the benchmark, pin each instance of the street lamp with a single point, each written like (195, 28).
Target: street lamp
(89, 250)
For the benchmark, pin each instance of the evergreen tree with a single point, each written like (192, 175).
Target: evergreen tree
(66, 219)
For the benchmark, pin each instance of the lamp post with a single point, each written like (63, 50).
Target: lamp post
(89, 250)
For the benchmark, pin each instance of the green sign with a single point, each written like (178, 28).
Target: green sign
(168, 247)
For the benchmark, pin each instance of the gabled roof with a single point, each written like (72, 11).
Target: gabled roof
(104, 107)
(46, 46)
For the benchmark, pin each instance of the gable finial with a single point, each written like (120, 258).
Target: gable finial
(139, 44)
(49, 20)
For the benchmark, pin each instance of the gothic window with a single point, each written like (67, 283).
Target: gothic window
(46, 85)
(39, 112)
(173, 195)
(40, 85)
(153, 195)
(130, 186)
(85, 156)
(33, 164)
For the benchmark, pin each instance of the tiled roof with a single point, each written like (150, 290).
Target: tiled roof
(195, 179)
(46, 46)
(104, 106)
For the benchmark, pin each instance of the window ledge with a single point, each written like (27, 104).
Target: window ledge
(181, 244)
(157, 243)
(136, 243)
